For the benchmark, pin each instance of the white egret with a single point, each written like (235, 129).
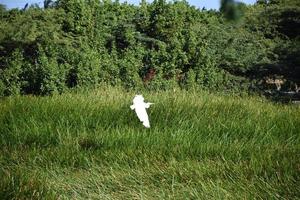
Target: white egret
(140, 109)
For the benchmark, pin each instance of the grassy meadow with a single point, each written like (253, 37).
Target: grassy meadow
(90, 145)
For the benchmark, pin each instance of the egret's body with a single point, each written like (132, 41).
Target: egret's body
(140, 109)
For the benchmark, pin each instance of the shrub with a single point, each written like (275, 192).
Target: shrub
(51, 75)
(11, 76)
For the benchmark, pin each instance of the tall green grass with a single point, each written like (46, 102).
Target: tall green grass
(90, 145)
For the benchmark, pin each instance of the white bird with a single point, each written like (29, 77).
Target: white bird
(140, 109)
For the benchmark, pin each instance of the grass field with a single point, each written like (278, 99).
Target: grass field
(90, 145)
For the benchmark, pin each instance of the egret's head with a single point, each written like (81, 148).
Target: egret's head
(138, 99)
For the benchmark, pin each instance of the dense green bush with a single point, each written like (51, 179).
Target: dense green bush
(157, 45)
(11, 75)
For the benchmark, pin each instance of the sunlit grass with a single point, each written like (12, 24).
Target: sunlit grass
(200, 146)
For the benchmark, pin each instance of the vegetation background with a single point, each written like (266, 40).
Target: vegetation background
(158, 45)
(210, 137)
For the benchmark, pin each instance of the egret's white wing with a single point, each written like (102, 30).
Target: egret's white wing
(146, 124)
(142, 115)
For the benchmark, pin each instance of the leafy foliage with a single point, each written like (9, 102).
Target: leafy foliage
(156, 45)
